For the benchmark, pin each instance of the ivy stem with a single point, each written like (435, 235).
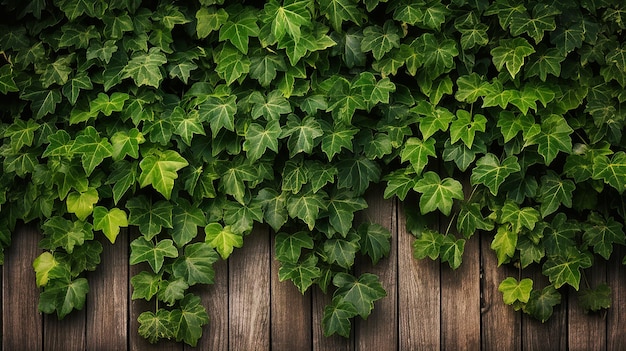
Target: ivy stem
(450, 223)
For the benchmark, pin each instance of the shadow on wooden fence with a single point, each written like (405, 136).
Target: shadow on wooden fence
(428, 307)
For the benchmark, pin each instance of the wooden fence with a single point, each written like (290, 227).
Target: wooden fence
(428, 307)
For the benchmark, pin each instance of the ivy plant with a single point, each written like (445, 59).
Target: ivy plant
(194, 121)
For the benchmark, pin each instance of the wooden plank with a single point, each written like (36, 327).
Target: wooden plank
(419, 289)
(137, 307)
(551, 335)
(22, 327)
(291, 327)
(108, 300)
(215, 299)
(616, 315)
(500, 326)
(460, 301)
(321, 342)
(587, 332)
(380, 330)
(249, 280)
(65, 334)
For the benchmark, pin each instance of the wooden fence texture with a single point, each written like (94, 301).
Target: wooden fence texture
(428, 307)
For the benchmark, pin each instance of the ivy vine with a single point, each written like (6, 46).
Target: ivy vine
(175, 116)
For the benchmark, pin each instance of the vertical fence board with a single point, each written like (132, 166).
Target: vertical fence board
(65, 334)
(551, 335)
(249, 271)
(460, 301)
(419, 303)
(616, 315)
(215, 299)
(500, 324)
(587, 332)
(380, 330)
(321, 342)
(21, 321)
(137, 307)
(107, 301)
(291, 313)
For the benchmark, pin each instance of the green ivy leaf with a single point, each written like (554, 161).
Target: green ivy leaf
(159, 170)
(7, 83)
(602, 234)
(288, 19)
(357, 174)
(417, 151)
(260, 138)
(504, 244)
(511, 124)
(270, 107)
(471, 87)
(451, 251)
(339, 11)
(375, 241)
(341, 208)
(185, 222)
(109, 221)
(21, 133)
(544, 63)
(437, 56)
(145, 68)
(380, 40)
(471, 219)
(525, 217)
(145, 285)
(222, 239)
(302, 273)
(108, 104)
(437, 193)
(219, 112)
(541, 303)
(142, 250)
(196, 265)
(302, 134)
(187, 321)
(289, 246)
(231, 64)
(465, 126)
(361, 292)
(611, 170)
(542, 20)
(399, 182)
(336, 138)
(274, 207)
(306, 206)
(428, 244)
(153, 326)
(553, 192)
(554, 137)
(566, 269)
(491, 173)
(150, 217)
(594, 300)
(238, 29)
(92, 148)
(337, 315)
(60, 232)
(341, 252)
(126, 143)
(513, 290)
(43, 102)
(44, 266)
(187, 124)
(208, 20)
(63, 296)
(511, 52)
(171, 291)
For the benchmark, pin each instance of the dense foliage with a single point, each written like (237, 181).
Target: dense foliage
(502, 116)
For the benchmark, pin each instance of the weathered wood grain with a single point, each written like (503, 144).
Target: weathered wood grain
(249, 292)
(22, 327)
(616, 315)
(291, 313)
(380, 330)
(215, 299)
(587, 332)
(501, 326)
(108, 297)
(65, 334)
(419, 293)
(551, 335)
(460, 301)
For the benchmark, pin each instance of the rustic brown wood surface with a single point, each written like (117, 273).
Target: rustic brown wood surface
(428, 307)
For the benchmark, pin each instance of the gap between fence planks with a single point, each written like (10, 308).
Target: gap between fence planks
(428, 307)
